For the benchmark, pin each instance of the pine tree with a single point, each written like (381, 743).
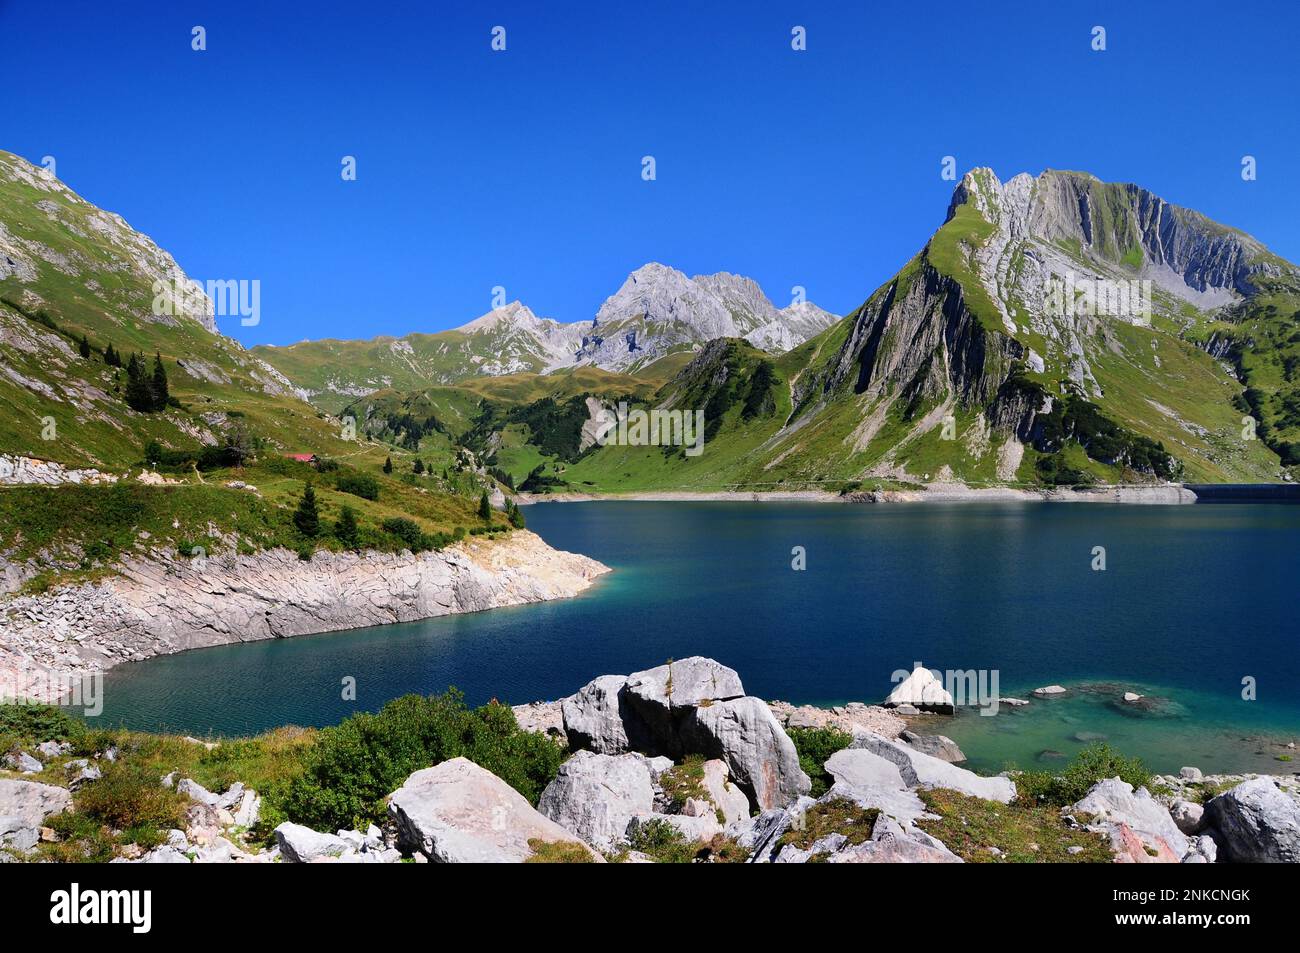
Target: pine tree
(346, 528)
(160, 394)
(388, 464)
(419, 466)
(514, 514)
(83, 347)
(485, 508)
(306, 518)
(139, 393)
(111, 357)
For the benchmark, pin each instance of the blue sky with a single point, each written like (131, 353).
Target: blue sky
(522, 169)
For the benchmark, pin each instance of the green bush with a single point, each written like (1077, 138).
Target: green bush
(29, 725)
(129, 796)
(408, 531)
(358, 484)
(1094, 763)
(815, 745)
(356, 764)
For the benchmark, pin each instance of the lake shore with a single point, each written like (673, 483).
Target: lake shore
(1155, 494)
(162, 603)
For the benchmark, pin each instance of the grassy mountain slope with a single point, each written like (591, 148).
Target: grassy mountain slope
(69, 273)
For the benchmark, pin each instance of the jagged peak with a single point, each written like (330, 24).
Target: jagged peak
(515, 313)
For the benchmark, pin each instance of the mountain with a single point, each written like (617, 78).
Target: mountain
(81, 294)
(658, 312)
(1054, 329)
(69, 272)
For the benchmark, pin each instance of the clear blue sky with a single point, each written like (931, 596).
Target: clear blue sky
(522, 168)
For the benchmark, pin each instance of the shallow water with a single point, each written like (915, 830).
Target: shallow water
(1193, 599)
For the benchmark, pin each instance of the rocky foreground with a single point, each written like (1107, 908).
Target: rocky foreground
(680, 756)
(162, 602)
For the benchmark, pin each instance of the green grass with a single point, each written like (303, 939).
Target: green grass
(1022, 833)
(835, 816)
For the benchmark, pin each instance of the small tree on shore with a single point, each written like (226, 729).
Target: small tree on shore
(345, 530)
(306, 518)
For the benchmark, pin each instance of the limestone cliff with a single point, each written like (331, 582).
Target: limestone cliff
(163, 603)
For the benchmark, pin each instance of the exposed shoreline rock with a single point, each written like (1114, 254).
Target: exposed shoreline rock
(162, 603)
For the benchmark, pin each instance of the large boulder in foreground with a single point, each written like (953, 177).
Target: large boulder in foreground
(1255, 822)
(665, 695)
(24, 806)
(745, 734)
(597, 717)
(596, 795)
(1125, 814)
(869, 780)
(457, 812)
(925, 771)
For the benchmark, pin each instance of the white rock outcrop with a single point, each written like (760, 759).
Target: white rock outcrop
(162, 603)
(458, 812)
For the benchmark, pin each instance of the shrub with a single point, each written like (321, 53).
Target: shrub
(27, 725)
(408, 531)
(129, 796)
(815, 745)
(662, 842)
(358, 484)
(356, 764)
(1092, 764)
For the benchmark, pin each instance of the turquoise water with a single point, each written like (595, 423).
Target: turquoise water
(1193, 599)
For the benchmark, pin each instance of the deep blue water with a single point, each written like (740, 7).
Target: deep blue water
(1193, 599)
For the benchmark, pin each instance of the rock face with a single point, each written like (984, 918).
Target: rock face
(164, 603)
(597, 716)
(1125, 815)
(665, 696)
(872, 781)
(595, 796)
(16, 470)
(24, 806)
(758, 752)
(921, 770)
(457, 812)
(1256, 823)
(691, 706)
